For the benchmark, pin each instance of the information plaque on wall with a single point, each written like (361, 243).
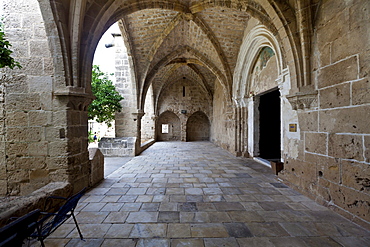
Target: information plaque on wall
(164, 128)
(292, 127)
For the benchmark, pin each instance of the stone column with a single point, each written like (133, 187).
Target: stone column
(183, 121)
(137, 118)
(73, 139)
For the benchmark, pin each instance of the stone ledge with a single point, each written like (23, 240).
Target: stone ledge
(97, 166)
(16, 206)
(117, 147)
(146, 144)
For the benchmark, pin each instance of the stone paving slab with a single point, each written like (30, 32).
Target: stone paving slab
(196, 194)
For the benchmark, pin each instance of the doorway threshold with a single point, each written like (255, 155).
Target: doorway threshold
(262, 161)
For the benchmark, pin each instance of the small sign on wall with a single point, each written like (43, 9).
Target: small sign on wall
(292, 127)
(164, 128)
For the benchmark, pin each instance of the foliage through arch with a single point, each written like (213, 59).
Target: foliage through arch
(107, 101)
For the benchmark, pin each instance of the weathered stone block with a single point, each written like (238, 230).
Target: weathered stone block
(308, 121)
(57, 163)
(329, 10)
(361, 91)
(46, 101)
(31, 65)
(342, 71)
(31, 134)
(38, 48)
(19, 176)
(17, 119)
(20, 49)
(28, 163)
(60, 175)
(39, 174)
(356, 175)
(3, 187)
(97, 165)
(13, 21)
(304, 173)
(40, 118)
(17, 84)
(345, 146)
(17, 148)
(23, 102)
(58, 148)
(325, 55)
(39, 32)
(335, 96)
(3, 171)
(356, 202)
(39, 84)
(27, 188)
(367, 148)
(327, 167)
(54, 133)
(346, 120)
(48, 66)
(354, 42)
(316, 142)
(364, 65)
(38, 149)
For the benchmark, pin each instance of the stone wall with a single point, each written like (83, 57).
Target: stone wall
(148, 120)
(184, 97)
(223, 122)
(30, 142)
(119, 146)
(96, 158)
(198, 127)
(173, 130)
(44, 127)
(334, 160)
(125, 125)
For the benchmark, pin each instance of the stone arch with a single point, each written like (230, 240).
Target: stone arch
(244, 90)
(168, 80)
(173, 123)
(258, 38)
(173, 58)
(198, 127)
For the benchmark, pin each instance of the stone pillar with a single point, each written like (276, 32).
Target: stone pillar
(137, 118)
(73, 143)
(238, 130)
(183, 121)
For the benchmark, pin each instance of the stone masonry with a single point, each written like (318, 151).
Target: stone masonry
(214, 59)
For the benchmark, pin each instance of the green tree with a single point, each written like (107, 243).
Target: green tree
(5, 53)
(106, 103)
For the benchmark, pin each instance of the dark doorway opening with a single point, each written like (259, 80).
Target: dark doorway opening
(269, 111)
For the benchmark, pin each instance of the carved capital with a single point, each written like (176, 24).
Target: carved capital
(75, 101)
(138, 115)
(303, 101)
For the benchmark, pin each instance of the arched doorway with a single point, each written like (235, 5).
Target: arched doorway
(168, 127)
(198, 127)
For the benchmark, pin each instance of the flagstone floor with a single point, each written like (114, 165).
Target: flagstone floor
(197, 194)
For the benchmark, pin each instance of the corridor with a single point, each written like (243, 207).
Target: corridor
(197, 194)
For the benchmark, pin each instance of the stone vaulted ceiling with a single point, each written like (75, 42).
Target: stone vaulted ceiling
(163, 36)
(167, 45)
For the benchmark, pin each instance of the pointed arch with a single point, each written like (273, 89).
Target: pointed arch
(173, 128)
(198, 127)
(174, 57)
(255, 40)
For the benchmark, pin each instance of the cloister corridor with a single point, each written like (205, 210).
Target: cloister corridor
(197, 194)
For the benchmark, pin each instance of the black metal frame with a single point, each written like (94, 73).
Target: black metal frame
(14, 233)
(51, 221)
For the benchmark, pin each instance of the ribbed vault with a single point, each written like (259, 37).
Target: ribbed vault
(206, 36)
